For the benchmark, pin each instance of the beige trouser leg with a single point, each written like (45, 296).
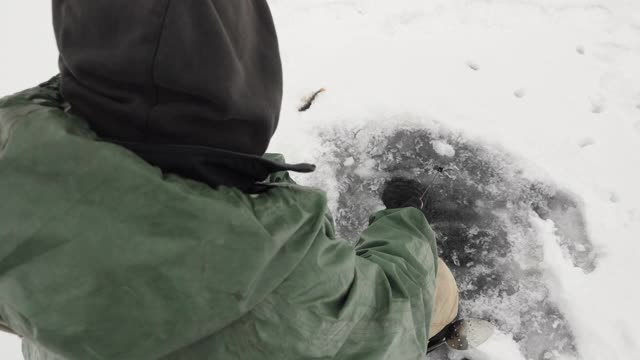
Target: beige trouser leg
(445, 306)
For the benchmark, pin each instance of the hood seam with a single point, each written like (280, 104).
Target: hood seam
(154, 59)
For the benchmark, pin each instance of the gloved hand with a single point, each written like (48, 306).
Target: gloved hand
(401, 192)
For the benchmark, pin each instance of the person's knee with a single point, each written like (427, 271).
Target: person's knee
(445, 305)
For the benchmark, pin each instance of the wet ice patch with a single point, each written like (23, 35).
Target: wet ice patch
(479, 204)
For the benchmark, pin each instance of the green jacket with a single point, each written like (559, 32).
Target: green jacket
(103, 256)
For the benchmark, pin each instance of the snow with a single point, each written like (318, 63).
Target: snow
(444, 149)
(499, 347)
(556, 84)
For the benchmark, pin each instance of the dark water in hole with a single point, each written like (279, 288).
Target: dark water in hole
(479, 203)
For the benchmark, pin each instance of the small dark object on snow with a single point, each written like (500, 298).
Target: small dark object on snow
(309, 101)
(400, 192)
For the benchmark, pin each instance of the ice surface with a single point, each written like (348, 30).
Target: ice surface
(480, 204)
(524, 84)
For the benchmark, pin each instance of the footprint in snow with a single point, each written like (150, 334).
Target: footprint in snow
(473, 66)
(614, 198)
(520, 93)
(597, 106)
(588, 141)
(580, 50)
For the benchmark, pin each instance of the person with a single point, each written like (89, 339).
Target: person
(141, 218)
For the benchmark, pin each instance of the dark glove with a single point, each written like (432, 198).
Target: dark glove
(401, 192)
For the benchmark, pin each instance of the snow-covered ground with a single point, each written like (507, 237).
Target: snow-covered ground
(555, 83)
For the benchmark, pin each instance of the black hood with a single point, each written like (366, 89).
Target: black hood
(200, 76)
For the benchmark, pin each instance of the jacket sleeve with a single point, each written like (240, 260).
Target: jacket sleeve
(401, 245)
(371, 303)
(4, 327)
